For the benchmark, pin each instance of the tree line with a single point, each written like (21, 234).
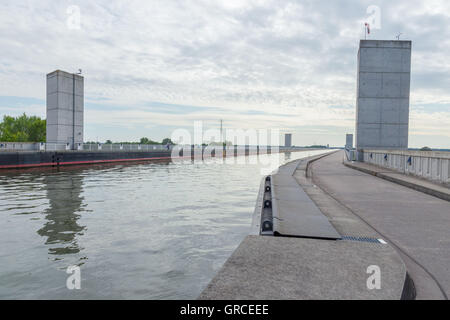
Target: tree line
(22, 129)
(143, 140)
(33, 129)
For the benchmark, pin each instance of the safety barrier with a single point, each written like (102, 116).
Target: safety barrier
(431, 165)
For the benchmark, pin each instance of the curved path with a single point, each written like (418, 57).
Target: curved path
(416, 224)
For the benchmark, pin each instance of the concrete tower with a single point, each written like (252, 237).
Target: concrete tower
(288, 140)
(382, 105)
(349, 141)
(65, 108)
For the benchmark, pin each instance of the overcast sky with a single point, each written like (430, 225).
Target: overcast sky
(153, 66)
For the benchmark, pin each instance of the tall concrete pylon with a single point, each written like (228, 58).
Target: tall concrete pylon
(349, 141)
(382, 103)
(288, 140)
(65, 109)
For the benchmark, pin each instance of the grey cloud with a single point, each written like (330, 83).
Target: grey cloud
(266, 56)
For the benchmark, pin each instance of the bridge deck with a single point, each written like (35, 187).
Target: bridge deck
(416, 223)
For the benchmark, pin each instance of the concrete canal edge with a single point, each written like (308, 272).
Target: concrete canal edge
(286, 267)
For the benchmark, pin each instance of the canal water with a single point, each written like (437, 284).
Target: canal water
(156, 230)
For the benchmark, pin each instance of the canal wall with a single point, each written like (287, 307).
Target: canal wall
(17, 160)
(29, 159)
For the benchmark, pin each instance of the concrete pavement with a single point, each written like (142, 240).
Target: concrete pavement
(265, 267)
(413, 182)
(415, 223)
(268, 267)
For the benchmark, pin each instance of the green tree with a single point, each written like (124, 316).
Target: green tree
(167, 141)
(22, 129)
(146, 140)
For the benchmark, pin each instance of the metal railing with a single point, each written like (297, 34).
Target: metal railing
(19, 146)
(431, 165)
(350, 154)
(123, 147)
(42, 146)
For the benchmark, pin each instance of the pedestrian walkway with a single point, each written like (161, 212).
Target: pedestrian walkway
(417, 224)
(410, 181)
(303, 266)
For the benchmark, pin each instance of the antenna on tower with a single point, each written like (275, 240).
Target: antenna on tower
(366, 30)
(398, 36)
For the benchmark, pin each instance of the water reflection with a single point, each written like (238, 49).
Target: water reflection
(62, 215)
(154, 230)
(287, 156)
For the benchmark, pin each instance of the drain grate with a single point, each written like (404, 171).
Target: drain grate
(363, 239)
